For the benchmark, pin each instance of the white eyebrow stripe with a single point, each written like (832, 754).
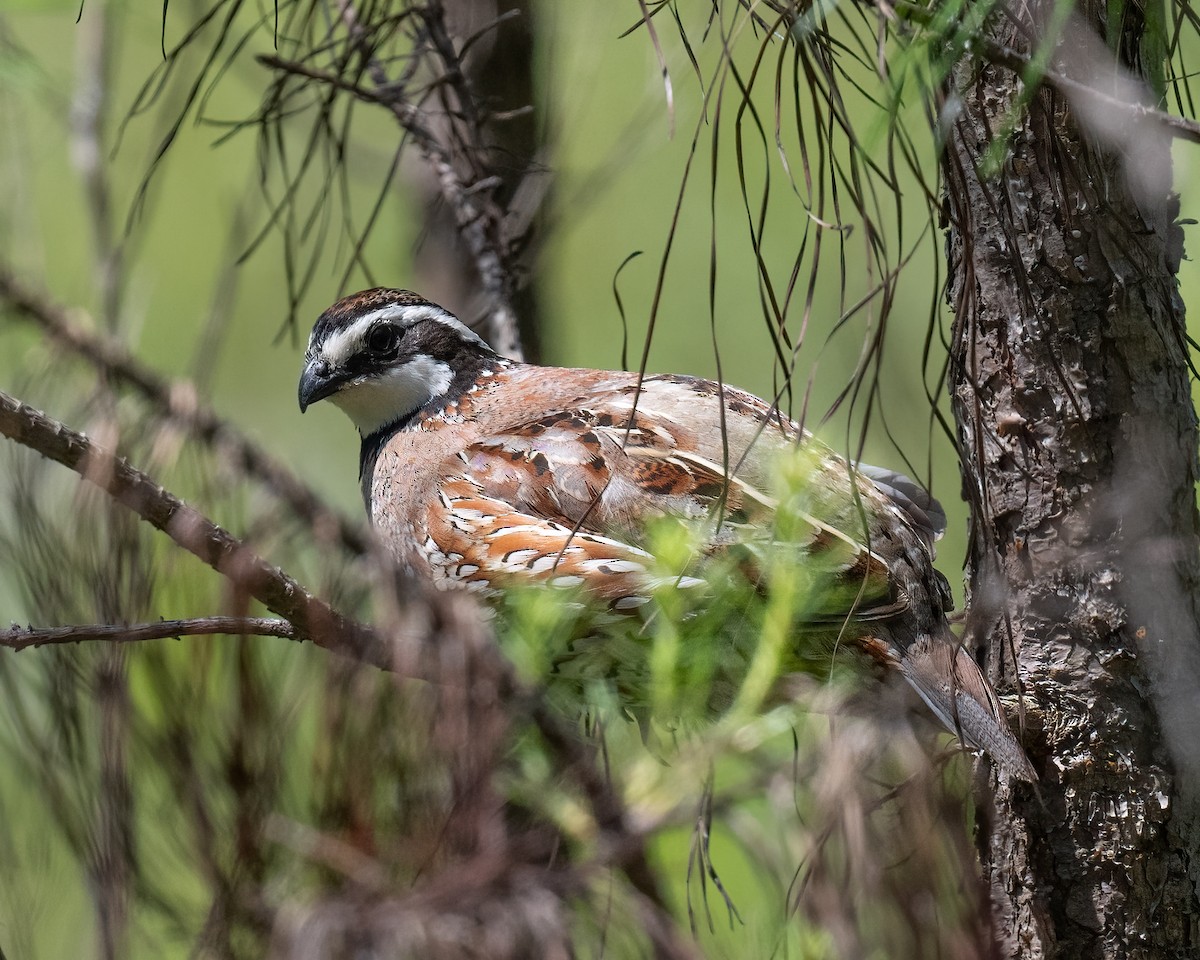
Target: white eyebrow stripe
(342, 345)
(339, 347)
(413, 314)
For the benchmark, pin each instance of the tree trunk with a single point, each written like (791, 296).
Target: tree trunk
(1071, 393)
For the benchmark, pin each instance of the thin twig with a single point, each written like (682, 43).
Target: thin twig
(307, 618)
(20, 638)
(178, 403)
(89, 110)
(313, 619)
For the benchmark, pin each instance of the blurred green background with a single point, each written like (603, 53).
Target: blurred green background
(618, 175)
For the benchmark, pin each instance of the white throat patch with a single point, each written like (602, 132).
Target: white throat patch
(376, 402)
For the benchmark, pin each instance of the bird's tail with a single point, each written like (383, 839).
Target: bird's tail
(955, 689)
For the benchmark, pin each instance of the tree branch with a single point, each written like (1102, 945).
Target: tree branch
(313, 619)
(1019, 63)
(178, 403)
(480, 229)
(307, 617)
(89, 109)
(20, 638)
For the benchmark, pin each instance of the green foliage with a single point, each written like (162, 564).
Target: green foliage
(260, 780)
(730, 737)
(722, 628)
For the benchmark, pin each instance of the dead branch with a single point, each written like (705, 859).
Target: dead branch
(313, 619)
(480, 228)
(20, 638)
(479, 224)
(178, 404)
(306, 617)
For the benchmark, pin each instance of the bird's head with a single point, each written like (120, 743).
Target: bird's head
(381, 355)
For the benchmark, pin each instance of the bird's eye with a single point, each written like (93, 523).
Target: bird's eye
(383, 340)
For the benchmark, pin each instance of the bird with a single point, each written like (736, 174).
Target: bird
(479, 472)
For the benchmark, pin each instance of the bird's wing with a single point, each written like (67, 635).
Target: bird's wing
(925, 514)
(484, 540)
(594, 477)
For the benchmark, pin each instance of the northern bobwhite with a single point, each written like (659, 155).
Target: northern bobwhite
(479, 471)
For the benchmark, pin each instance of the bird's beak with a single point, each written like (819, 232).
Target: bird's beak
(317, 382)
